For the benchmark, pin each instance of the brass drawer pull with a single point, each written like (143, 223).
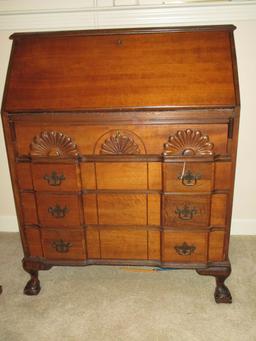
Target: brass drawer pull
(189, 179)
(185, 249)
(54, 179)
(57, 211)
(186, 213)
(61, 246)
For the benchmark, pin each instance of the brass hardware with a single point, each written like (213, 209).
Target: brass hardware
(185, 249)
(57, 211)
(189, 179)
(54, 179)
(61, 246)
(186, 213)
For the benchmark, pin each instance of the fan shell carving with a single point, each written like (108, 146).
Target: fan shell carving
(53, 144)
(119, 143)
(188, 143)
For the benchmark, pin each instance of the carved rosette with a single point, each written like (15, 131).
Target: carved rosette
(188, 143)
(53, 144)
(119, 143)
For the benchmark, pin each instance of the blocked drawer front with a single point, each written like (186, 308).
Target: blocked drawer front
(63, 244)
(121, 175)
(110, 140)
(188, 177)
(122, 209)
(186, 210)
(122, 243)
(57, 210)
(184, 247)
(55, 177)
(119, 244)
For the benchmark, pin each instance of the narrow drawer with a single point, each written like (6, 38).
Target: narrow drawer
(63, 244)
(188, 177)
(184, 247)
(57, 210)
(186, 210)
(55, 177)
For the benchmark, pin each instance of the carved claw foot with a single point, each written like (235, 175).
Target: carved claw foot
(222, 293)
(32, 288)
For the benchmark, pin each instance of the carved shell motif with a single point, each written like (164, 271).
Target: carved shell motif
(188, 143)
(53, 144)
(119, 144)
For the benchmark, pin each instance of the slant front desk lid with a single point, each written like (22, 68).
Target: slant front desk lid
(122, 69)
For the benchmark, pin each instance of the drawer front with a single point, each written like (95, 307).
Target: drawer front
(121, 175)
(122, 243)
(69, 140)
(57, 210)
(186, 210)
(188, 177)
(55, 177)
(63, 245)
(122, 209)
(184, 247)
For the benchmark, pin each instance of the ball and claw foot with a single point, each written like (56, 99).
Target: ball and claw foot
(32, 288)
(222, 294)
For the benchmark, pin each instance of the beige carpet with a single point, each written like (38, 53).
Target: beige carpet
(110, 303)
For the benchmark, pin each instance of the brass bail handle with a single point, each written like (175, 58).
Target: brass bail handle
(187, 177)
(54, 179)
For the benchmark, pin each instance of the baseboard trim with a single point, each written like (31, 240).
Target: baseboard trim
(239, 226)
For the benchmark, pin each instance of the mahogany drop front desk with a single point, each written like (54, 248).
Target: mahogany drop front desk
(122, 148)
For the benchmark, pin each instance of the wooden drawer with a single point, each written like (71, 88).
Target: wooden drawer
(57, 210)
(122, 243)
(63, 244)
(184, 247)
(55, 177)
(186, 210)
(188, 177)
(130, 139)
(122, 208)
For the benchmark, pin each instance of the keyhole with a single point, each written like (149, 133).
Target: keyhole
(119, 42)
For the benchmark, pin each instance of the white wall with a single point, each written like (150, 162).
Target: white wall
(58, 15)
